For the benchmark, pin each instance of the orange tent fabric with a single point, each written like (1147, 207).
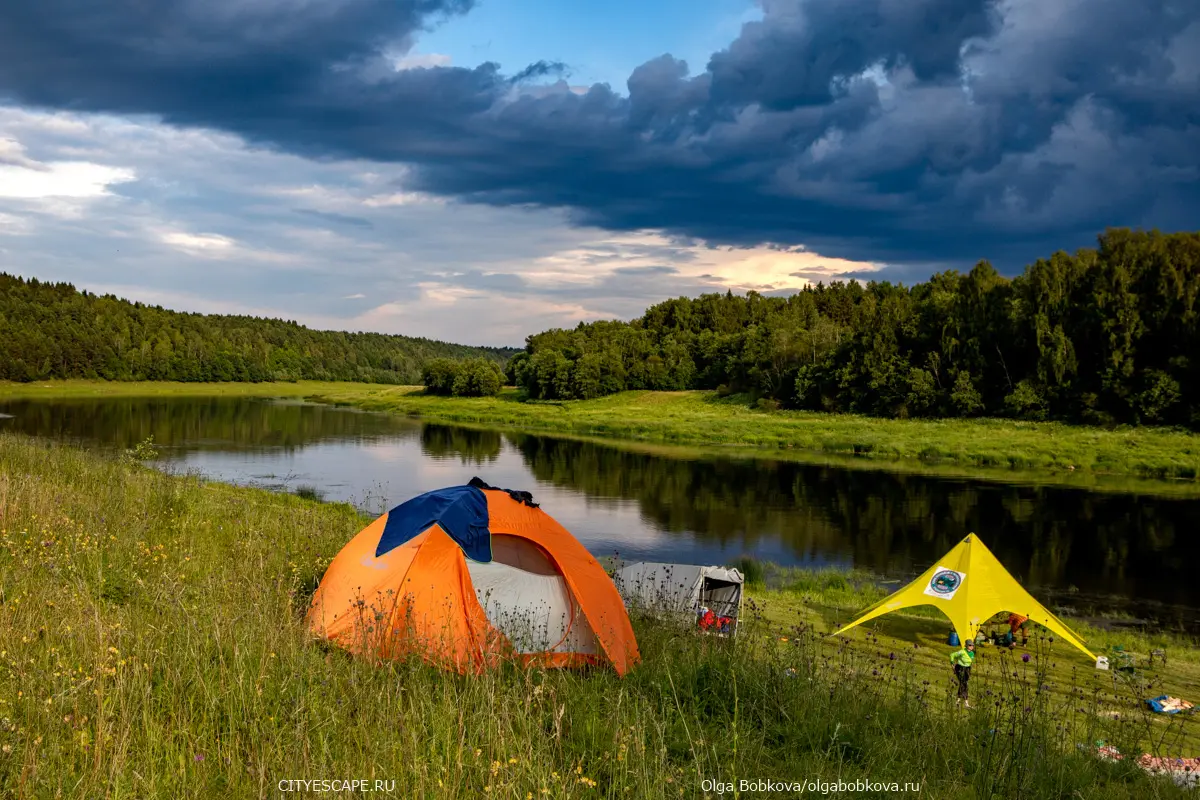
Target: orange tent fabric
(425, 596)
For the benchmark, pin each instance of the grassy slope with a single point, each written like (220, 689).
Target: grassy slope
(1133, 459)
(151, 645)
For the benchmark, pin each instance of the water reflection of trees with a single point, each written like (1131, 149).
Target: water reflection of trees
(188, 424)
(1048, 536)
(469, 445)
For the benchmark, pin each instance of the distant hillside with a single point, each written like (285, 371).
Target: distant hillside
(52, 330)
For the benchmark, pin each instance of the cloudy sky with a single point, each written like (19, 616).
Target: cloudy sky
(477, 171)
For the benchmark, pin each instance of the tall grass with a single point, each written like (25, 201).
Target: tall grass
(151, 645)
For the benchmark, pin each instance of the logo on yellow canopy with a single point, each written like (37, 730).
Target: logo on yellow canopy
(944, 583)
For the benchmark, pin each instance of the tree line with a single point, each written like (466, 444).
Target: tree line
(1106, 335)
(467, 377)
(52, 330)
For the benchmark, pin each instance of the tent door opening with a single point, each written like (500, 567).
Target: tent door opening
(723, 599)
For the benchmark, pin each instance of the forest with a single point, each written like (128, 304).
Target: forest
(1107, 335)
(52, 330)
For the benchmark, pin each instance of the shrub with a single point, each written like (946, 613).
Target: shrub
(965, 397)
(1160, 394)
(438, 375)
(1026, 401)
(477, 377)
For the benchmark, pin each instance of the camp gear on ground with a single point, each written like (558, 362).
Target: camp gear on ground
(711, 622)
(467, 576)
(683, 590)
(1101, 662)
(969, 585)
(1164, 704)
(1183, 772)
(952, 639)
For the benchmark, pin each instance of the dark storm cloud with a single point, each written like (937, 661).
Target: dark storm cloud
(1004, 129)
(797, 53)
(540, 69)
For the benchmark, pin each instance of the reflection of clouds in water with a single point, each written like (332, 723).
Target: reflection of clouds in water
(379, 474)
(385, 452)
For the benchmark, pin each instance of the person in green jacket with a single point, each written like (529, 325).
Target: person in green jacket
(962, 659)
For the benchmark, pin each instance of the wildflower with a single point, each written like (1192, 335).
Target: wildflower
(1025, 657)
(199, 757)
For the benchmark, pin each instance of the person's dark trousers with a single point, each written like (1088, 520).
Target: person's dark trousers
(963, 674)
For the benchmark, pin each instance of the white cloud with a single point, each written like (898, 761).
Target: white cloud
(421, 61)
(401, 199)
(199, 242)
(75, 179)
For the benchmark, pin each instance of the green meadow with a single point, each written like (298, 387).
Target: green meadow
(151, 645)
(1158, 460)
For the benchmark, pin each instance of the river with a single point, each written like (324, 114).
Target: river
(1089, 552)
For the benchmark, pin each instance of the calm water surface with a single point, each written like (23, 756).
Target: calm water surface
(1086, 550)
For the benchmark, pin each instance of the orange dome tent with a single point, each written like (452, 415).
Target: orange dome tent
(466, 576)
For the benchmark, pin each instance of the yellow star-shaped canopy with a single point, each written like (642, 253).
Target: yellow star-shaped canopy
(970, 585)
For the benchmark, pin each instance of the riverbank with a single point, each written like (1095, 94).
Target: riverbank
(704, 418)
(1158, 460)
(151, 645)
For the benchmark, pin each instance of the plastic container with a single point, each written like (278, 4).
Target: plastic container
(952, 639)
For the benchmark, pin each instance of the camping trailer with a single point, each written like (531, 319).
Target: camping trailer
(712, 596)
